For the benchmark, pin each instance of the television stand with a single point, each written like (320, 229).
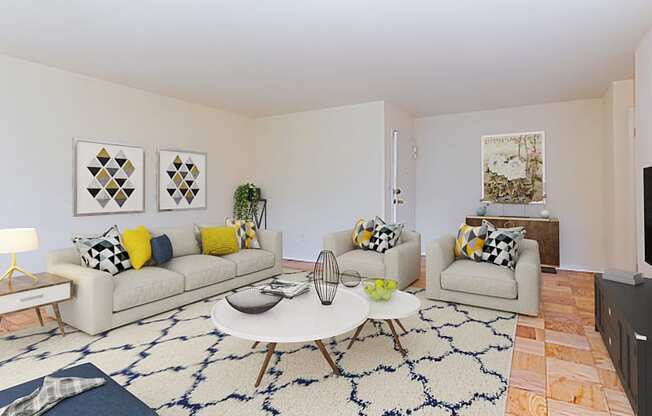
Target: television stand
(622, 316)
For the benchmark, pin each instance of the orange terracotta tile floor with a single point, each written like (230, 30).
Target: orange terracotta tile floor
(560, 366)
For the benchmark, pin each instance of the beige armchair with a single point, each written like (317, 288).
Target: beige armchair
(484, 284)
(401, 263)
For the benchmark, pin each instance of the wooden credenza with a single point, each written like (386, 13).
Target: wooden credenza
(544, 230)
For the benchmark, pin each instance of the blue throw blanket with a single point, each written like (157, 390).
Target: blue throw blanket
(53, 390)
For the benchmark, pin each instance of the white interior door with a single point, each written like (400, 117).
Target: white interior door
(402, 192)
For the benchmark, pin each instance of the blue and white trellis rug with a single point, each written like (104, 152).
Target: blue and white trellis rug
(458, 363)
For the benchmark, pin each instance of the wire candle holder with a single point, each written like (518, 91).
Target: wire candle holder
(326, 277)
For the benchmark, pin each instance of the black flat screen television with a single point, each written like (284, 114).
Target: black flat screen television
(647, 212)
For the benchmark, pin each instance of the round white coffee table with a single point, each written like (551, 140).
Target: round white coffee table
(401, 305)
(302, 319)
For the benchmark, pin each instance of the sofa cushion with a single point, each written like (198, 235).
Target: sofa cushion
(200, 270)
(182, 238)
(251, 260)
(366, 262)
(246, 231)
(470, 241)
(219, 241)
(104, 252)
(480, 278)
(161, 249)
(385, 237)
(137, 287)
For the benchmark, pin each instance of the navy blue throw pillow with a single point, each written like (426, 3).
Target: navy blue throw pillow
(161, 249)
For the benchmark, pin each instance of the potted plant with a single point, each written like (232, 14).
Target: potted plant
(245, 202)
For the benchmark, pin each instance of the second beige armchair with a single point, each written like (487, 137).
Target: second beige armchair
(401, 263)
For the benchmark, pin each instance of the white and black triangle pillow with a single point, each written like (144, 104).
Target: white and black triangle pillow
(385, 237)
(500, 248)
(104, 252)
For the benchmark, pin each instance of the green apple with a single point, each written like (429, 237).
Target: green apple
(391, 284)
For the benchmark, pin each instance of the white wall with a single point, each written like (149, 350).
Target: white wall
(320, 170)
(643, 141)
(449, 172)
(42, 109)
(620, 241)
(397, 119)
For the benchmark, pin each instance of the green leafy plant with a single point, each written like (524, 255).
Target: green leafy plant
(245, 201)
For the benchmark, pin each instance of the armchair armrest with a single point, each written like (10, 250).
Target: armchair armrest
(339, 242)
(528, 276)
(403, 262)
(440, 254)
(91, 307)
(272, 241)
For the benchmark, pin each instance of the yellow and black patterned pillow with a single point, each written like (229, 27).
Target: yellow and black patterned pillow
(362, 232)
(245, 232)
(470, 241)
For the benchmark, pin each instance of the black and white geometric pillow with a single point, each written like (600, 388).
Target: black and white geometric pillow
(500, 248)
(385, 237)
(104, 252)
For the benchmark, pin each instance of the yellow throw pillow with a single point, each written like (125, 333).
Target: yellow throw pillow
(362, 232)
(219, 241)
(245, 231)
(470, 241)
(137, 242)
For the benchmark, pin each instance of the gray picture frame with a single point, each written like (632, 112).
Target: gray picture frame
(75, 173)
(159, 194)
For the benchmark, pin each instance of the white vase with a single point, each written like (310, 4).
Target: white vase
(545, 213)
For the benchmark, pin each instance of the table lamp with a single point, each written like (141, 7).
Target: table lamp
(17, 240)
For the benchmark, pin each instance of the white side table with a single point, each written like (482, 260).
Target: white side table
(401, 305)
(22, 292)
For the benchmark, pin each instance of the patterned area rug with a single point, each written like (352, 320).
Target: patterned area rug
(458, 363)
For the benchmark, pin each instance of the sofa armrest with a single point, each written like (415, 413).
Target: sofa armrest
(339, 242)
(272, 241)
(403, 262)
(528, 276)
(440, 254)
(91, 307)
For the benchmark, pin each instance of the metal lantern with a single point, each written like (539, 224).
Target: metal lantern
(326, 277)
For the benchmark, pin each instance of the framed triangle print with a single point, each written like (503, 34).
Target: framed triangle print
(181, 180)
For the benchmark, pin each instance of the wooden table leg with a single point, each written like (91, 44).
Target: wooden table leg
(38, 314)
(396, 340)
(255, 345)
(355, 336)
(327, 356)
(400, 325)
(55, 306)
(270, 350)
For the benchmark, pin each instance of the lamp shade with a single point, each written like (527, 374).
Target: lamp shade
(16, 240)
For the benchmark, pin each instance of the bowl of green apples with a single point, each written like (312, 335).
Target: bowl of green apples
(380, 290)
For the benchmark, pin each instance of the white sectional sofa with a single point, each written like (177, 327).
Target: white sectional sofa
(102, 301)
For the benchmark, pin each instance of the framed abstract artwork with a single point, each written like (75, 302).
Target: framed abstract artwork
(513, 168)
(181, 180)
(109, 178)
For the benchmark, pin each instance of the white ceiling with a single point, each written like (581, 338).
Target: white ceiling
(278, 56)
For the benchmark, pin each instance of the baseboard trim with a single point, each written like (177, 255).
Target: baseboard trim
(298, 259)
